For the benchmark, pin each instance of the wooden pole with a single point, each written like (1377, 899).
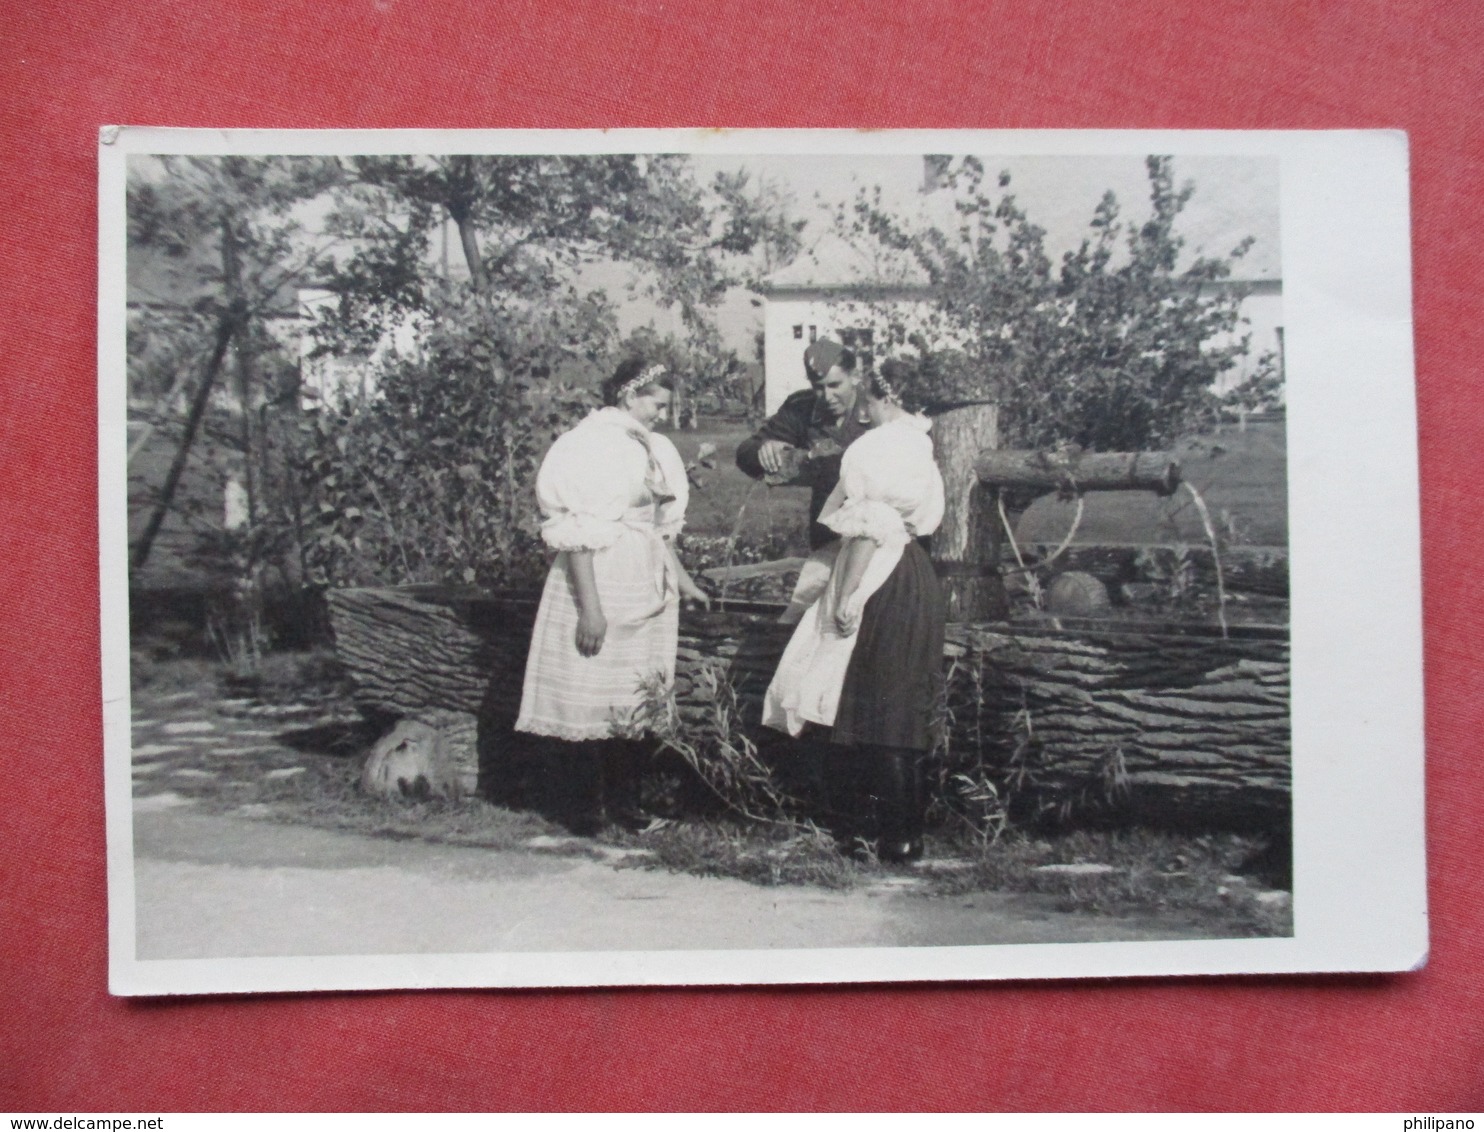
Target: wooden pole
(226, 327)
(1040, 472)
(966, 548)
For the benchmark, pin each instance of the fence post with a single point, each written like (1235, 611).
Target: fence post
(966, 548)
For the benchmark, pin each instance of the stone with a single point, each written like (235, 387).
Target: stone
(285, 772)
(189, 727)
(411, 762)
(893, 884)
(460, 731)
(1076, 594)
(546, 841)
(946, 865)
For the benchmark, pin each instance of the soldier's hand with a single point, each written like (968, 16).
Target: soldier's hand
(771, 455)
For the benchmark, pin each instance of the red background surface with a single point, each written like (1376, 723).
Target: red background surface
(1413, 1042)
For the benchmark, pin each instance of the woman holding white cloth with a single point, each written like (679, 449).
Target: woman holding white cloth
(866, 659)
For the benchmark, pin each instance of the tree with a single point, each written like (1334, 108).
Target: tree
(1116, 348)
(527, 223)
(224, 225)
(429, 478)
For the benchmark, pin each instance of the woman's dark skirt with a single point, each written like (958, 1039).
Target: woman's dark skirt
(894, 682)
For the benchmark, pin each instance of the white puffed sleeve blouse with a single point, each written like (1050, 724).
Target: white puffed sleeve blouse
(597, 480)
(890, 490)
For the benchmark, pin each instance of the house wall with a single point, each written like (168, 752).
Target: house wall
(330, 381)
(1263, 310)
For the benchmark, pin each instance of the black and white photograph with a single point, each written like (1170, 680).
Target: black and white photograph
(593, 558)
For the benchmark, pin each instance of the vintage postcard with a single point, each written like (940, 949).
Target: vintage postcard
(563, 558)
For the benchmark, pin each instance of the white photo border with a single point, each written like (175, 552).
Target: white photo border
(1355, 578)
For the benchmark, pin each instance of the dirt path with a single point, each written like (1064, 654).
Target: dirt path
(213, 885)
(220, 873)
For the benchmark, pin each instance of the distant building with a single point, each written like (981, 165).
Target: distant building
(836, 290)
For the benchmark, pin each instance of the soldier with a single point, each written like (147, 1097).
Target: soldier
(803, 443)
(804, 439)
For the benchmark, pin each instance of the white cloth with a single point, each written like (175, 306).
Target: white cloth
(814, 576)
(890, 492)
(611, 487)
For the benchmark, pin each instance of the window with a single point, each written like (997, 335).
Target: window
(798, 330)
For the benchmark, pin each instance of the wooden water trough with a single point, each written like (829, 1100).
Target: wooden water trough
(1160, 723)
(1169, 727)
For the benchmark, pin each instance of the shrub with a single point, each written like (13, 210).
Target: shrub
(1111, 351)
(430, 480)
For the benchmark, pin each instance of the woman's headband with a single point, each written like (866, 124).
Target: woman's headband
(888, 391)
(646, 378)
(892, 373)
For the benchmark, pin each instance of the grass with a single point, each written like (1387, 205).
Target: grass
(787, 854)
(330, 798)
(323, 743)
(1150, 873)
(1240, 472)
(773, 513)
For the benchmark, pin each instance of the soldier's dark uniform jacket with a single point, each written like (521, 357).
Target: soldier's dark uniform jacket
(804, 422)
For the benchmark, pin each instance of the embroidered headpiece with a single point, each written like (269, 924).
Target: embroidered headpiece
(888, 392)
(646, 378)
(889, 376)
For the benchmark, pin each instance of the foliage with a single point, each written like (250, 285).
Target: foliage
(1116, 348)
(526, 224)
(705, 369)
(222, 248)
(714, 745)
(423, 474)
(429, 480)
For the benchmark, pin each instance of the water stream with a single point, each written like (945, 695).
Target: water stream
(1200, 506)
(726, 579)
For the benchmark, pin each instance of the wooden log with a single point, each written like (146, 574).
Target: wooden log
(1041, 472)
(966, 547)
(751, 570)
(414, 649)
(1173, 729)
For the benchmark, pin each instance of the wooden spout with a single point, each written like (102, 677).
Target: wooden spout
(1038, 473)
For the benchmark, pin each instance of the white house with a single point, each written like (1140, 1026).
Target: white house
(837, 290)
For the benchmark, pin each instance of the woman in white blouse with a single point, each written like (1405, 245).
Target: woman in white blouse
(613, 494)
(866, 660)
